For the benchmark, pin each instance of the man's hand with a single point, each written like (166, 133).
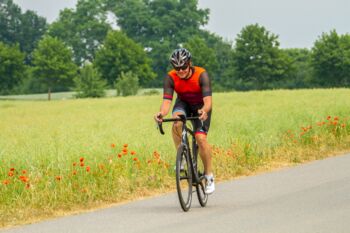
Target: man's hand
(158, 117)
(202, 115)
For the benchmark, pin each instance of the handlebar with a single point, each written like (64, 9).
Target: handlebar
(182, 118)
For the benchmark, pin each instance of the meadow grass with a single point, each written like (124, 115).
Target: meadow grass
(70, 155)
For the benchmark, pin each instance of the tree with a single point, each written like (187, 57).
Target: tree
(89, 83)
(301, 70)
(53, 63)
(159, 25)
(121, 54)
(23, 29)
(259, 61)
(83, 29)
(33, 28)
(10, 20)
(12, 67)
(202, 54)
(331, 60)
(127, 84)
(218, 59)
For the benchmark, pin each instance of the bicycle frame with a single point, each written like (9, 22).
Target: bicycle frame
(184, 140)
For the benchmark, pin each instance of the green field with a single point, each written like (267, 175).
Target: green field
(68, 155)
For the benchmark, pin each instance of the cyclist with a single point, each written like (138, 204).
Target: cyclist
(194, 98)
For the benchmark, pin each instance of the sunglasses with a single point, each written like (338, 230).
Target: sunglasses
(184, 67)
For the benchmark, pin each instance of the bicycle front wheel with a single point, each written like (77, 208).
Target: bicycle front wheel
(184, 178)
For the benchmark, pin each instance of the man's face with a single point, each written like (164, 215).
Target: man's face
(182, 71)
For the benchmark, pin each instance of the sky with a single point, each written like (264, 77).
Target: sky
(298, 23)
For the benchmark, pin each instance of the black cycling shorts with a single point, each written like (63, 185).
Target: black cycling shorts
(192, 111)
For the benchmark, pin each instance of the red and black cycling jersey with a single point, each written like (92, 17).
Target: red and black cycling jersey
(191, 90)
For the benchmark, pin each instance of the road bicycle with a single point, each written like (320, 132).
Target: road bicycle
(189, 173)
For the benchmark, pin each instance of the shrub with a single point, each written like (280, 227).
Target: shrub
(127, 84)
(89, 83)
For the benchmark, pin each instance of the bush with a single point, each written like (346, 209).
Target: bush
(151, 92)
(89, 83)
(127, 84)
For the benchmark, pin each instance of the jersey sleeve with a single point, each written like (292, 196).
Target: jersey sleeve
(168, 88)
(205, 84)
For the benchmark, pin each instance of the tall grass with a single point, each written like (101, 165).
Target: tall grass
(66, 155)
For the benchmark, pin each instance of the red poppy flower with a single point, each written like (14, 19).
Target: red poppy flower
(113, 145)
(24, 179)
(125, 145)
(82, 159)
(88, 168)
(6, 182)
(133, 153)
(10, 173)
(58, 178)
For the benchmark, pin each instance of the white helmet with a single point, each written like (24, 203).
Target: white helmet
(180, 57)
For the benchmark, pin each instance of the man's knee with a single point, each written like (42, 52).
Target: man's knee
(177, 127)
(201, 140)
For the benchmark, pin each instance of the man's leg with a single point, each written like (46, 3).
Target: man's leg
(205, 152)
(177, 130)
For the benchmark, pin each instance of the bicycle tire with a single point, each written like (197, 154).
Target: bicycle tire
(200, 185)
(184, 178)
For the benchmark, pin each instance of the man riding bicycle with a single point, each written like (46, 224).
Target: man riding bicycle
(194, 98)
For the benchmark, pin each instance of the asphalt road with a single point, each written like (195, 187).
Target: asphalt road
(310, 198)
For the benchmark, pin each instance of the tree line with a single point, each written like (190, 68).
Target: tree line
(127, 43)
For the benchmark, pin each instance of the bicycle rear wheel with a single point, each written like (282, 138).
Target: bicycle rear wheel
(201, 181)
(200, 187)
(184, 178)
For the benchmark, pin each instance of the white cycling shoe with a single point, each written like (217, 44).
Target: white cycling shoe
(210, 185)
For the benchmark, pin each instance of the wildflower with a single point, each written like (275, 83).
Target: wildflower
(125, 145)
(133, 153)
(343, 125)
(125, 150)
(12, 169)
(336, 118)
(88, 168)
(329, 117)
(74, 164)
(24, 172)
(10, 173)
(74, 172)
(82, 159)
(27, 186)
(135, 159)
(6, 182)
(58, 178)
(335, 122)
(24, 179)
(113, 145)
(81, 164)
(119, 155)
